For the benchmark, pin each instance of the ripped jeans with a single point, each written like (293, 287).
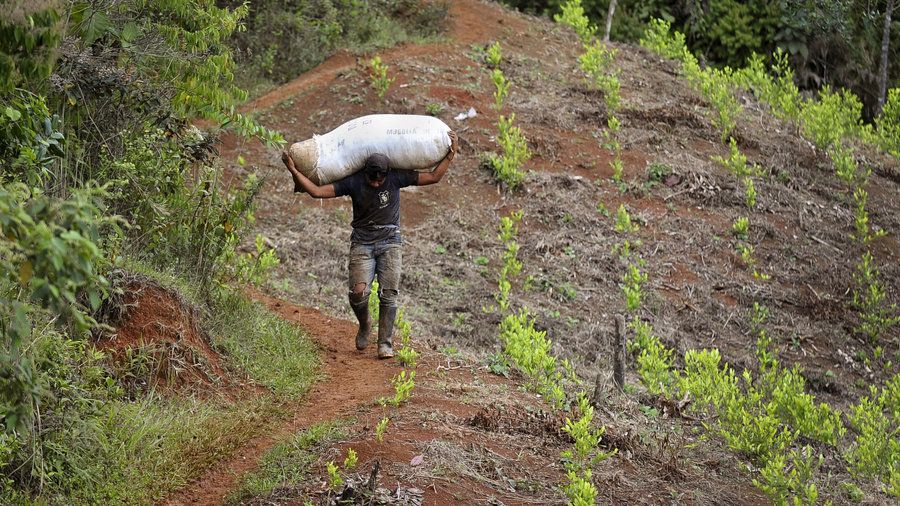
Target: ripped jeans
(384, 259)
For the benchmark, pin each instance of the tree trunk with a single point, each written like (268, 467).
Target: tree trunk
(609, 16)
(883, 71)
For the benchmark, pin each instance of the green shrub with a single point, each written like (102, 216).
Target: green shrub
(508, 165)
(501, 88)
(654, 359)
(572, 14)
(715, 85)
(624, 224)
(833, 117)
(787, 479)
(494, 55)
(659, 38)
(632, 282)
(50, 261)
(870, 300)
(741, 227)
(876, 448)
(596, 62)
(532, 353)
(736, 163)
(380, 80)
(888, 124)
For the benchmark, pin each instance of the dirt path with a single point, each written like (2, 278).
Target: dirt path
(352, 379)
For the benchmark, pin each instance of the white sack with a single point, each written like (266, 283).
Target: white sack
(410, 142)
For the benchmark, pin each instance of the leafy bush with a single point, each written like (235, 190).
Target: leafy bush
(493, 55)
(787, 479)
(508, 165)
(888, 124)
(380, 80)
(572, 14)
(624, 224)
(833, 117)
(876, 449)
(870, 299)
(740, 227)
(501, 88)
(596, 62)
(532, 353)
(632, 282)
(654, 359)
(50, 260)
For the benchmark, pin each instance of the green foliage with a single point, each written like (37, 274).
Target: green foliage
(741, 227)
(572, 14)
(254, 268)
(579, 459)
(659, 38)
(284, 39)
(511, 266)
(406, 354)
(380, 80)
(776, 89)
(30, 140)
(493, 55)
(374, 301)
(334, 477)
(833, 117)
(50, 260)
(403, 386)
(888, 124)
(624, 224)
(654, 359)
(380, 427)
(870, 299)
(274, 352)
(736, 162)
(27, 43)
(876, 449)
(501, 88)
(579, 489)
(434, 108)
(632, 282)
(596, 62)
(532, 353)
(508, 165)
(289, 461)
(749, 192)
(715, 85)
(787, 479)
(351, 459)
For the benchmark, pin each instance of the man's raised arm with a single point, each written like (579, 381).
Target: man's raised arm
(303, 183)
(438, 173)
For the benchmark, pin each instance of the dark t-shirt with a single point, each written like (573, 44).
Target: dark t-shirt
(376, 211)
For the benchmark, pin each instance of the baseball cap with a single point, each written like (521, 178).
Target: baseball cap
(377, 165)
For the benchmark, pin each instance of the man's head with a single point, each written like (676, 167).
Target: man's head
(377, 167)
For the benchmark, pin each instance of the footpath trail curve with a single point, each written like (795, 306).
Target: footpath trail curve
(351, 380)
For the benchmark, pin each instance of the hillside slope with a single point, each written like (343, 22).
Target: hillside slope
(699, 291)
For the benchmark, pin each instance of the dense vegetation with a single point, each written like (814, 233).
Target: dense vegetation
(834, 42)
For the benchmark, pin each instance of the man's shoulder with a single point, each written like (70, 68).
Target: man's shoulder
(349, 183)
(405, 177)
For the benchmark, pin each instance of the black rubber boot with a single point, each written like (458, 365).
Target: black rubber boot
(386, 317)
(361, 310)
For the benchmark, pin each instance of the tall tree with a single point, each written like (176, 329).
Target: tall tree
(885, 47)
(609, 17)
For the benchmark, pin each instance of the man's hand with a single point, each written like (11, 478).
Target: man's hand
(289, 163)
(454, 145)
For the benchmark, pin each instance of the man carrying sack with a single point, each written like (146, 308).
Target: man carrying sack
(375, 244)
